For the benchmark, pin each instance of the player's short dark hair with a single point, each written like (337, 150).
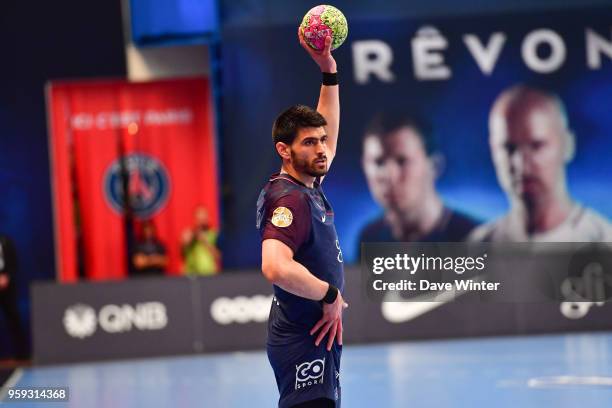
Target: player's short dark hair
(383, 123)
(288, 123)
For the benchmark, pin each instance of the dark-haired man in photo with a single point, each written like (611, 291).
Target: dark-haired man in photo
(301, 253)
(401, 164)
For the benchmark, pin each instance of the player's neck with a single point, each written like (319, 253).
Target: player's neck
(544, 215)
(305, 179)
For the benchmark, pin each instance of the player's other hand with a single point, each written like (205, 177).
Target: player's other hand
(323, 58)
(331, 323)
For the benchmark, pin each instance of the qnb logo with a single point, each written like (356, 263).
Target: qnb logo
(144, 316)
(309, 373)
(241, 309)
(81, 321)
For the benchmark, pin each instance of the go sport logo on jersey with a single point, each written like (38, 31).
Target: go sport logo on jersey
(148, 185)
(309, 373)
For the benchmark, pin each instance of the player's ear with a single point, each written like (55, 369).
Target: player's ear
(570, 146)
(283, 150)
(438, 164)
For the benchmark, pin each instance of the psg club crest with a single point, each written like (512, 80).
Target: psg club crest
(148, 185)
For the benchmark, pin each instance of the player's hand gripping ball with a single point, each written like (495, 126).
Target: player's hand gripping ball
(322, 21)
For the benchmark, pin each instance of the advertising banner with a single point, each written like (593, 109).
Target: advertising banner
(486, 128)
(155, 141)
(166, 316)
(109, 320)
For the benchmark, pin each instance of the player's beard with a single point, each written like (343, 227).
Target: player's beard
(312, 168)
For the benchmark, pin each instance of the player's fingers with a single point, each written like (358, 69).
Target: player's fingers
(323, 332)
(327, 49)
(303, 40)
(344, 305)
(332, 335)
(304, 44)
(301, 36)
(340, 330)
(317, 326)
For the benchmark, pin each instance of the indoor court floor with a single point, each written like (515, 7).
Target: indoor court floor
(566, 370)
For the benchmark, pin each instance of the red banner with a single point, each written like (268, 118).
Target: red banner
(156, 139)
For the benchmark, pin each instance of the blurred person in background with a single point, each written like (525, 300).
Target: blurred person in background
(199, 246)
(150, 258)
(531, 144)
(401, 164)
(8, 297)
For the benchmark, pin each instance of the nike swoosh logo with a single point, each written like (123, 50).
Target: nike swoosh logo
(395, 309)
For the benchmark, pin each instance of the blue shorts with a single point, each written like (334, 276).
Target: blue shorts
(306, 372)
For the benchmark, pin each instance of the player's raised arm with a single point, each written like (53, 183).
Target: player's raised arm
(329, 98)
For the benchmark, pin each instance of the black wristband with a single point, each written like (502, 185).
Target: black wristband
(330, 79)
(331, 295)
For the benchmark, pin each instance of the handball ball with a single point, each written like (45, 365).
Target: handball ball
(322, 21)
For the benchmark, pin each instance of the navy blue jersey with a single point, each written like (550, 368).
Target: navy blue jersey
(302, 218)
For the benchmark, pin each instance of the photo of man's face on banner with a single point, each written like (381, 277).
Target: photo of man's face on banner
(474, 129)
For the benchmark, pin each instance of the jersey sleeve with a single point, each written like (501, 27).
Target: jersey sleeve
(288, 220)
